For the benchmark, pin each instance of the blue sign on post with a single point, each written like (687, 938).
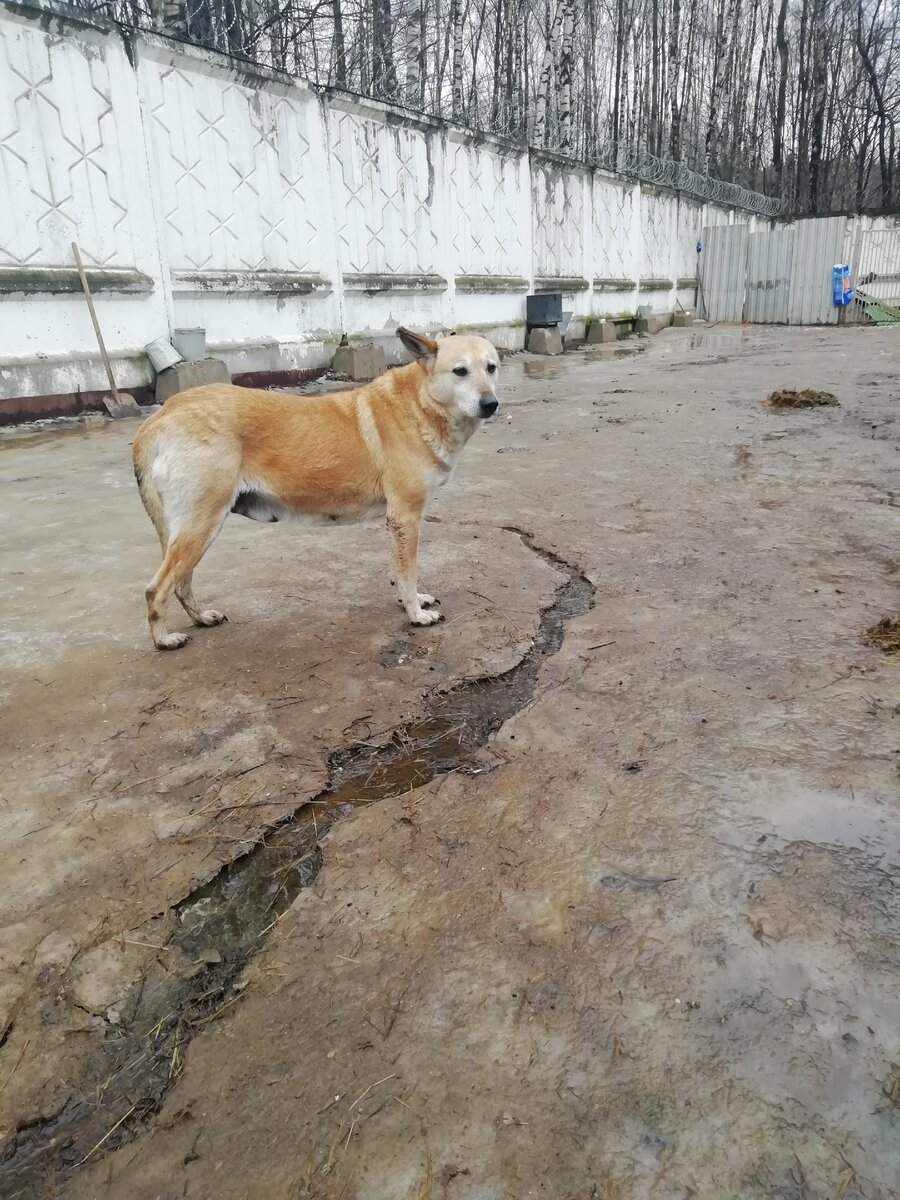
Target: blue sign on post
(841, 291)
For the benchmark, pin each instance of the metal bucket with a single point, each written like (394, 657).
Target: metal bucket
(190, 343)
(162, 354)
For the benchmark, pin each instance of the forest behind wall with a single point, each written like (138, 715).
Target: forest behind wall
(795, 98)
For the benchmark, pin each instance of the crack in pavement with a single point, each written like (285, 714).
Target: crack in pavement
(223, 923)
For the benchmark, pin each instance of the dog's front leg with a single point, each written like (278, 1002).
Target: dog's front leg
(404, 526)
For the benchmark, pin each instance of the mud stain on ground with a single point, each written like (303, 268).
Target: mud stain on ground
(885, 634)
(787, 398)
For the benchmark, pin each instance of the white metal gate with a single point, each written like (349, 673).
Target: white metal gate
(769, 262)
(723, 270)
(819, 243)
(875, 275)
(784, 275)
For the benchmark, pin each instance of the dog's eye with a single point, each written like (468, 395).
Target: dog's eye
(491, 368)
(460, 371)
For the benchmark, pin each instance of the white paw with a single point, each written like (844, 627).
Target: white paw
(172, 641)
(425, 601)
(210, 616)
(424, 617)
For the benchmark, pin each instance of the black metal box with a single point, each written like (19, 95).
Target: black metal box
(543, 310)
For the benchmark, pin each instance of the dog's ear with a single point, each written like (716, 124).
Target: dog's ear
(418, 345)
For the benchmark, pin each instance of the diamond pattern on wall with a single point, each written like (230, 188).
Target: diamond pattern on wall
(488, 235)
(613, 244)
(385, 184)
(236, 174)
(558, 221)
(74, 192)
(656, 235)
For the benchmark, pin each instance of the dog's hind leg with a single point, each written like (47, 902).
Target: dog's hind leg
(182, 554)
(200, 616)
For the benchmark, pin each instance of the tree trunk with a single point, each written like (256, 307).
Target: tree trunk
(864, 47)
(781, 103)
(712, 127)
(456, 28)
(565, 76)
(340, 50)
(474, 105)
(653, 137)
(672, 83)
(618, 87)
(414, 50)
(384, 75)
(540, 112)
(499, 30)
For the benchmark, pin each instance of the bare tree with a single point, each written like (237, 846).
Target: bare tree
(551, 36)
(384, 73)
(567, 10)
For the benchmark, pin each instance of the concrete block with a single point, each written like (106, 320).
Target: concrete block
(186, 375)
(360, 363)
(683, 320)
(653, 324)
(545, 341)
(600, 332)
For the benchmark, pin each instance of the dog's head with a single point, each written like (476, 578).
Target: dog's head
(462, 371)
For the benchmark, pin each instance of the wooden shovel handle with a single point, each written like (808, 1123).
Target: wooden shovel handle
(90, 303)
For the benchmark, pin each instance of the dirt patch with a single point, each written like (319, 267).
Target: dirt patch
(885, 634)
(783, 398)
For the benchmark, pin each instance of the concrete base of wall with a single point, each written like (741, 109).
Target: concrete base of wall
(41, 389)
(15, 410)
(683, 320)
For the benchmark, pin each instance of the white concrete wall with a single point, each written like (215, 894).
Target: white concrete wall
(203, 194)
(73, 167)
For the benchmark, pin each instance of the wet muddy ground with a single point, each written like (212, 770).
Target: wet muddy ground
(589, 891)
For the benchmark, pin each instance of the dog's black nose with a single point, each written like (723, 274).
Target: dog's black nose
(487, 405)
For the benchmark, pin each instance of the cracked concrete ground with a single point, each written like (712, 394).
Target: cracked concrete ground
(643, 945)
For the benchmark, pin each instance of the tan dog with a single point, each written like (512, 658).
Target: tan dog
(380, 449)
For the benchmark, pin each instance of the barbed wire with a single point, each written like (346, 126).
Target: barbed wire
(639, 163)
(237, 29)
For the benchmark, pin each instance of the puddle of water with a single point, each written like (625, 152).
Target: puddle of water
(700, 340)
(831, 819)
(39, 433)
(585, 356)
(228, 918)
(595, 354)
(784, 811)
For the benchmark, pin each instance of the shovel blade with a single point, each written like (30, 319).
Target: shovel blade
(126, 406)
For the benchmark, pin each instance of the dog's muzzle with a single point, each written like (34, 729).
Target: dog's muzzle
(487, 405)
